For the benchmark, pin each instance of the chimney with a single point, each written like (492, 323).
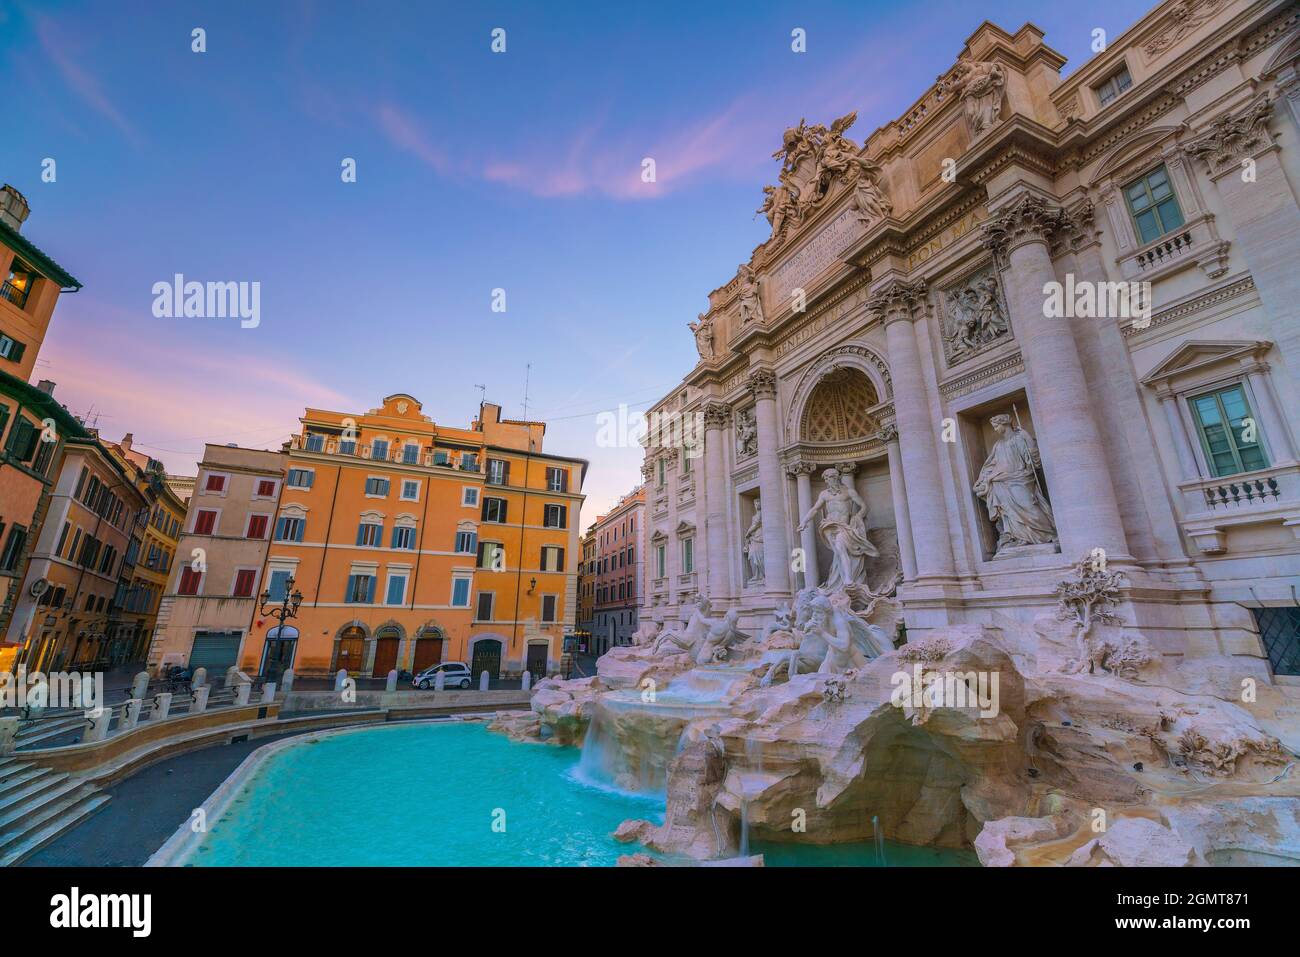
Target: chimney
(46, 386)
(13, 208)
(126, 442)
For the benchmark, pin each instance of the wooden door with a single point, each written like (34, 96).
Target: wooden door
(352, 655)
(385, 656)
(428, 652)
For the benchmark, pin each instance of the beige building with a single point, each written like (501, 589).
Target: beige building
(210, 602)
(1028, 318)
(69, 612)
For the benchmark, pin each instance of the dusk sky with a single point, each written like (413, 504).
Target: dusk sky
(474, 171)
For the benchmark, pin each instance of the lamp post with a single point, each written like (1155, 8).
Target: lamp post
(282, 611)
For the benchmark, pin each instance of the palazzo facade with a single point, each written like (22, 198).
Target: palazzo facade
(1029, 319)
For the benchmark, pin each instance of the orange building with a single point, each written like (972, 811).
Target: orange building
(33, 426)
(414, 543)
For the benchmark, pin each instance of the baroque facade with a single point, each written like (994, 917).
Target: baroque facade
(1029, 319)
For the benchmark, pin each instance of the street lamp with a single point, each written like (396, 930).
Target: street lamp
(286, 609)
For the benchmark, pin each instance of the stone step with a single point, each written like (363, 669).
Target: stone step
(10, 767)
(52, 822)
(51, 728)
(15, 818)
(25, 774)
(36, 789)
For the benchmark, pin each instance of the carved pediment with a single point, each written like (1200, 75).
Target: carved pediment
(685, 527)
(1197, 355)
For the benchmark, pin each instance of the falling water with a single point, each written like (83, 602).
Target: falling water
(744, 827)
(880, 841)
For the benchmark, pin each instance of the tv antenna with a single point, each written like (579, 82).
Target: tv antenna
(482, 394)
(528, 369)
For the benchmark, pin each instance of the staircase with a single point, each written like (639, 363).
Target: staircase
(37, 805)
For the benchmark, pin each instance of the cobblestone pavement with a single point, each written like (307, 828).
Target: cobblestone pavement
(146, 809)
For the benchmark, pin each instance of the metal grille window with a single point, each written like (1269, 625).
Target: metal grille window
(1279, 628)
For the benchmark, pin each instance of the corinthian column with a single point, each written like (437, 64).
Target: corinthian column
(1083, 498)
(896, 303)
(771, 483)
(719, 555)
(802, 472)
(902, 515)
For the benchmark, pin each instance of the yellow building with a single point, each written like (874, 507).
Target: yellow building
(414, 543)
(152, 550)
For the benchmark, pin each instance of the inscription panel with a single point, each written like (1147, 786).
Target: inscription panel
(811, 260)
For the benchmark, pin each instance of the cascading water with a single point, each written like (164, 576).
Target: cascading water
(880, 840)
(634, 735)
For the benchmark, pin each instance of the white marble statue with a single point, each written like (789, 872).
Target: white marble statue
(754, 544)
(868, 202)
(746, 433)
(981, 86)
(720, 637)
(1008, 484)
(703, 331)
(751, 307)
(844, 529)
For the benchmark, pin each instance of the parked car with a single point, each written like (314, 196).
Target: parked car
(456, 672)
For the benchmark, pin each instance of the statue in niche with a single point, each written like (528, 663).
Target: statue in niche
(754, 544)
(751, 308)
(981, 87)
(746, 433)
(844, 529)
(975, 316)
(703, 330)
(1008, 484)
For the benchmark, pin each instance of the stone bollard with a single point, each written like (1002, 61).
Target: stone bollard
(162, 705)
(243, 690)
(440, 681)
(130, 714)
(391, 683)
(200, 700)
(199, 678)
(286, 680)
(233, 677)
(268, 692)
(99, 724)
(140, 684)
(8, 735)
(483, 679)
(339, 678)
(526, 681)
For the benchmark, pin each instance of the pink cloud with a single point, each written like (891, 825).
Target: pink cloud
(404, 132)
(183, 397)
(54, 42)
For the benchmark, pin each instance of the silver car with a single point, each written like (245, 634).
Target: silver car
(456, 673)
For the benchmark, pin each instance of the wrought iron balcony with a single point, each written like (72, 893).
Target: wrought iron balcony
(15, 294)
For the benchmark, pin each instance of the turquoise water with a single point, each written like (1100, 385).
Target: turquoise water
(452, 795)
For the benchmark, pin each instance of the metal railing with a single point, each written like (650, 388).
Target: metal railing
(15, 294)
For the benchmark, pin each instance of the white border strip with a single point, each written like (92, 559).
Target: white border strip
(178, 849)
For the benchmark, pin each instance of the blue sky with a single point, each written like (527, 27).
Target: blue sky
(475, 171)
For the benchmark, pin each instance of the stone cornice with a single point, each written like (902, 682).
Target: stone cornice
(1226, 293)
(1234, 137)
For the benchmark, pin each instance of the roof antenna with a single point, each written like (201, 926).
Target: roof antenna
(528, 370)
(482, 398)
